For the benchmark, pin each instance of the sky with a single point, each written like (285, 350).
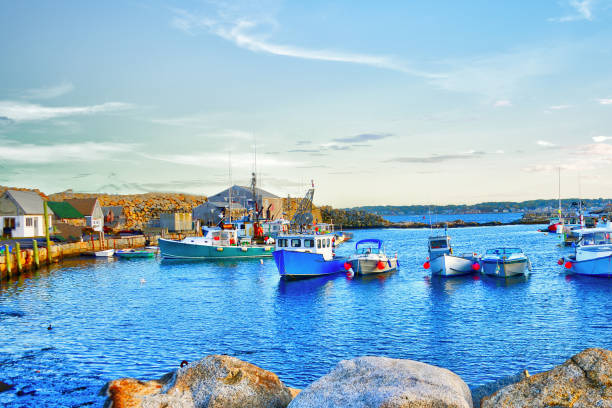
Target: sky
(380, 103)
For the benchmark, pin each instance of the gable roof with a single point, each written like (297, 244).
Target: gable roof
(117, 210)
(85, 206)
(64, 210)
(241, 191)
(30, 202)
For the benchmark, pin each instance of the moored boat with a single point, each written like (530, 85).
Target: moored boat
(306, 255)
(216, 243)
(593, 253)
(134, 253)
(370, 258)
(106, 253)
(442, 262)
(505, 262)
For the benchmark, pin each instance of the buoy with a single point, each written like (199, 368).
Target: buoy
(380, 265)
(261, 261)
(426, 265)
(142, 281)
(476, 266)
(184, 363)
(49, 328)
(350, 273)
(347, 266)
(568, 265)
(560, 261)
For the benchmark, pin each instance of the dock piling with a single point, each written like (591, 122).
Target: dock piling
(45, 212)
(35, 249)
(7, 258)
(18, 255)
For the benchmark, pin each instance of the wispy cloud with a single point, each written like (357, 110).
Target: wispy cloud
(502, 103)
(582, 10)
(545, 143)
(364, 137)
(606, 101)
(246, 32)
(601, 139)
(24, 112)
(559, 107)
(48, 92)
(60, 153)
(439, 158)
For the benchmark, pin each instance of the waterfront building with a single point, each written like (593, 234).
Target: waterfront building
(64, 212)
(114, 216)
(242, 195)
(91, 210)
(175, 222)
(21, 214)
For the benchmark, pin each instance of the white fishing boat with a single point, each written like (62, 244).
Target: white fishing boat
(106, 253)
(370, 258)
(593, 253)
(505, 262)
(443, 262)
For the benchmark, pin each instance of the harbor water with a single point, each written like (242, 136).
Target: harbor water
(435, 218)
(66, 331)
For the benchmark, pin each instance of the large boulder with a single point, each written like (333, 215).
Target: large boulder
(215, 381)
(584, 380)
(385, 382)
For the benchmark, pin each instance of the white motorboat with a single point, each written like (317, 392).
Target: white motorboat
(106, 253)
(505, 262)
(593, 253)
(443, 262)
(370, 258)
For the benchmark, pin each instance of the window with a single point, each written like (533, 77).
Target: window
(29, 222)
(318, 243)
(309, 243)
(296, 243)
(328, 242)
(282, 243)
(323, 243)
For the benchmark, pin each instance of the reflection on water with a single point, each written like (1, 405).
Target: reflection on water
(141, 318)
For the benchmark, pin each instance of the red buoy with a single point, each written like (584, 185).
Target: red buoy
(426, 265)
(380, 265)
(560, 261)
(347, 266)
(568, 265)
(476, 266)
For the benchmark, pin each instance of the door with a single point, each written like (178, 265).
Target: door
(36, 231)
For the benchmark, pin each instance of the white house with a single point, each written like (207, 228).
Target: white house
(90, 208)
(21, 214)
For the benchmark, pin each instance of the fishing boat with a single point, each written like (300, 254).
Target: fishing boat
(216, 243)
(134, 253)
(505, 262)
(370, 258)
(443, 262)
(305, 255)
(593, 253)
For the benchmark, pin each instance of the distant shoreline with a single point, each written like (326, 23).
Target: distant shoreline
(453, 224)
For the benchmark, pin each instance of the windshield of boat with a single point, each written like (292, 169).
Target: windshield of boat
(504, 251)
(368, 249)
(597, 238)
(437, 244)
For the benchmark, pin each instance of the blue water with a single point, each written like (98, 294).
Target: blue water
(479, 218)
(106, 324)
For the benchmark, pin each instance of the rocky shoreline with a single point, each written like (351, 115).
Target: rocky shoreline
(217, 381)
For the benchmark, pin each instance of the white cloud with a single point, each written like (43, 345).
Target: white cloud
(242, 32)
(544, 143)
(559, 107)
(23, 112)
(502, 103)
(48, 92)
(600, 139)
(580, 158)
(606, 101)
(582, 11)
(58, 153)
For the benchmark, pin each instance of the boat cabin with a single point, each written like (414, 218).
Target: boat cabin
(594, 236)
(220, 237)
(504, 251)
(323, 244)
(369, 246)
(439, 245)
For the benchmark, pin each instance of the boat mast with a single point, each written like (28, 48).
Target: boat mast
(560, 212)
(230, 189)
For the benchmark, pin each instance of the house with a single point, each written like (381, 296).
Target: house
(210, 213)
(21, 214)
(90, 208)
(113, 216)
(175, 222)
(243, 196)
(66, 213)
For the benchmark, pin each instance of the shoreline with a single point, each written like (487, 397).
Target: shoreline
(452, 224)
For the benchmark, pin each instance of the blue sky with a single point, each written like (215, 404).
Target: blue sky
(380, 103)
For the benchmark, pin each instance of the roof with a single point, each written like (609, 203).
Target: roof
(64, 210)
(30, 202)
(116, 209)
(244, 191)
(83, 205)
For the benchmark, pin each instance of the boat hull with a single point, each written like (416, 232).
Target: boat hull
(133, 255)
(505, 269)
(593, 267)
(107, 253)
(297, 265)
(370, 266)
(449, 265)
(180, 250)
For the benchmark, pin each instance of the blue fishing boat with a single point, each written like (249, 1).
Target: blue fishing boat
(217, 243)
(307, 255)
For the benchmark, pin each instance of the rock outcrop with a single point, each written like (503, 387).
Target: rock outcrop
(585, 380)
(384, 382)
(215, 381)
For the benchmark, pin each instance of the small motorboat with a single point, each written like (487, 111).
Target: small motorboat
(593, 253)
(134, 253)
(370, 258)
(505, 262)
(443, 262)
(307, 255)
(105, 253)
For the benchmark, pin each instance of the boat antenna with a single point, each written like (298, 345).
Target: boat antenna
(560, 212)
(230, 189)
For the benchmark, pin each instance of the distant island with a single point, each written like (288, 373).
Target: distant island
(532, 206)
